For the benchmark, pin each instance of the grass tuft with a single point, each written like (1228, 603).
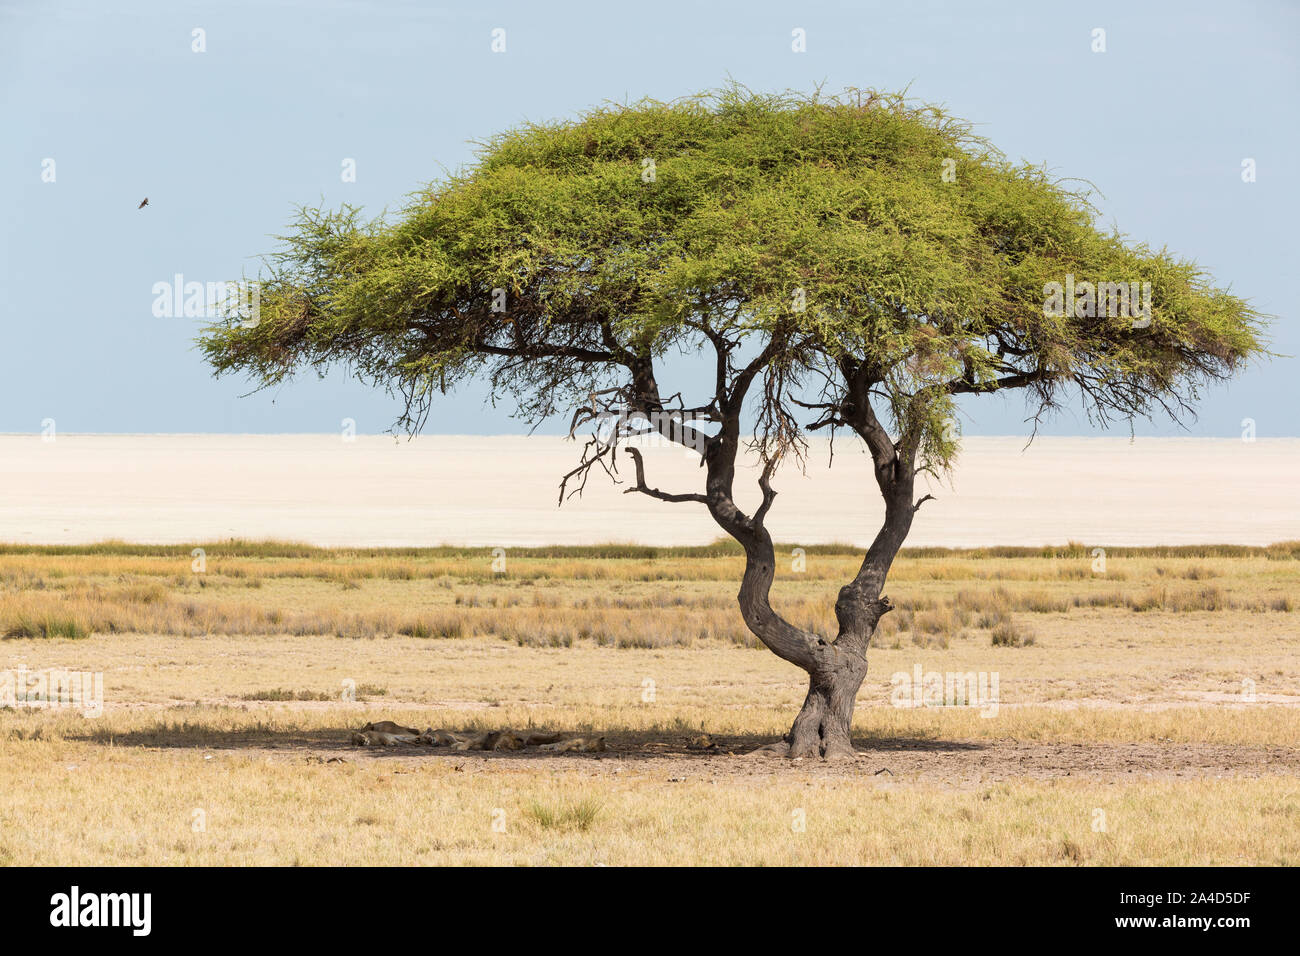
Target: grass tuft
(565, 815)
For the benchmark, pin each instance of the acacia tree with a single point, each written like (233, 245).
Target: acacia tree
(854, 262)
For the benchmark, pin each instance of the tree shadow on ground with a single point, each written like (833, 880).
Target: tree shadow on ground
(620, 744)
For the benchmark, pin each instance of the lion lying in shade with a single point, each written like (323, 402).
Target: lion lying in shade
(385, 733)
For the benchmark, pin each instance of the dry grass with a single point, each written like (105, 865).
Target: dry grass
(632, 598)
(153, 807)
(224, 691)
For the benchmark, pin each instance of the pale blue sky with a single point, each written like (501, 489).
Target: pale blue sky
(224, 143)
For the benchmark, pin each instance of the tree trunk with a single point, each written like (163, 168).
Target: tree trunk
(836, 671)
(823, 727)
(836, 668)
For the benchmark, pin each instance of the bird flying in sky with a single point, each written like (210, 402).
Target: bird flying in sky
(143, 202)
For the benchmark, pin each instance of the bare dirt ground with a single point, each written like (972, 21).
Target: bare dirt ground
(884, 761)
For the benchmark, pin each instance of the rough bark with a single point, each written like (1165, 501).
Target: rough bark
(824, 723)
(823, 727)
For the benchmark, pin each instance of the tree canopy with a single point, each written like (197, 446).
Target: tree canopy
(825, 225)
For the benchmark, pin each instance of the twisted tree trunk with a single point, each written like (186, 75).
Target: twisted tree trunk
(823, 726)
(836, 668)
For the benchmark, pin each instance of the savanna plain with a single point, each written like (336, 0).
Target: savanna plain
(1146, 707)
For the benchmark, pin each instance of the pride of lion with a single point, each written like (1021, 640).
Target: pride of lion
(386, 733)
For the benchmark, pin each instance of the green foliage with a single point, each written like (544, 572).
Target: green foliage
(824, 226)
(49, 625)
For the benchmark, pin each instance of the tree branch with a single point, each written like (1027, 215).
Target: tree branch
(644, 489)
